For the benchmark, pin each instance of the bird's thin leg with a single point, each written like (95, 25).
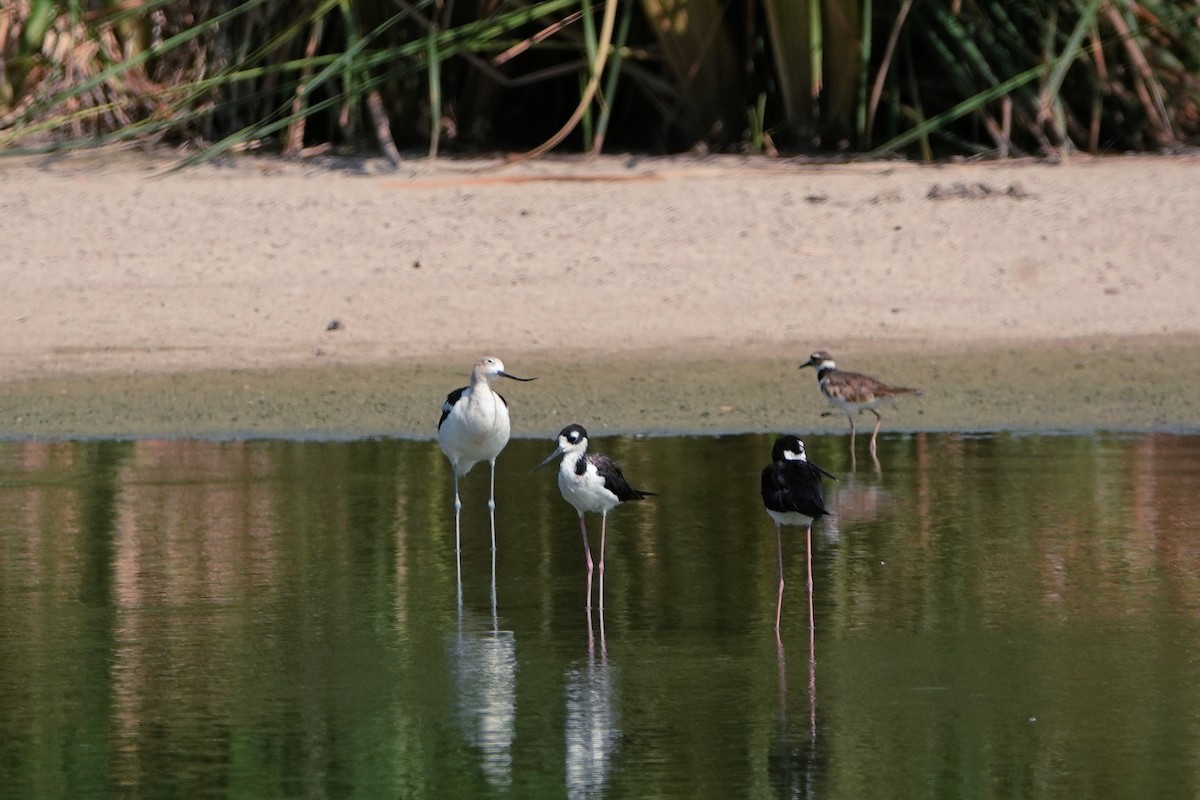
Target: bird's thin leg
(457, 513)
(457, 540)
(603, 525)
(812, 645)
(811, 620)
(874, 433)
(779, 600)
(492, 507)
(587, 552)
(853, 430)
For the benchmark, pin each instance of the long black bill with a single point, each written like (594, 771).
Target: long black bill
(549, 458)
(503, 374)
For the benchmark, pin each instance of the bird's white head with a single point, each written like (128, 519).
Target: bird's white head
(492, 367)
(488, 367)
(571, 440)
(788, 448)
(821, 360)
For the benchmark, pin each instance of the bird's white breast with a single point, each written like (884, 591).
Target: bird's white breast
(587, 491)
(477, 429)
(790, 518)
(486, 416)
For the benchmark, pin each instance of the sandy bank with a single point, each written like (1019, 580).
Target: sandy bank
(649, 295)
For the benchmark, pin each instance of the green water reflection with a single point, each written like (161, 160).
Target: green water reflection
(997, 616)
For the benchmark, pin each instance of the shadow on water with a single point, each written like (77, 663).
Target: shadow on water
(998, 615)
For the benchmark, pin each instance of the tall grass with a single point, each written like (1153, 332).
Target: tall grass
(920, 78)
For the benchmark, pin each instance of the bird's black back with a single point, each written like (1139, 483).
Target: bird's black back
(794, 486)
(614, 479)
(453, 398)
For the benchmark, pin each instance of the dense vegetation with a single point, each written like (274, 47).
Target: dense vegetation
(918, 77)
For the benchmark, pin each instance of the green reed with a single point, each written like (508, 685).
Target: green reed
(875, 77)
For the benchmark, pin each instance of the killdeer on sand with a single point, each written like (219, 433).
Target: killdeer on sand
(853, 393)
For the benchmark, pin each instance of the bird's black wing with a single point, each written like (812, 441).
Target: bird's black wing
(451, 399)
(614, 479)
(775, 494)
(822, 470)
(794, 486)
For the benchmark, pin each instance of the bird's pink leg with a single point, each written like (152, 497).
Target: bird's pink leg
(603, 525)
(811, 624)
(812, 645)
(874, 433)
(779, 600)
(587, 551)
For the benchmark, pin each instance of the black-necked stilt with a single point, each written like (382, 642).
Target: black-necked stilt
(791, 491)
(590, 482)
(474, 427)
(851, 392)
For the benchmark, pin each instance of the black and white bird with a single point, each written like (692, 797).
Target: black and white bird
(590, 482)
(791, 492)
(853, 393)
(475, 427)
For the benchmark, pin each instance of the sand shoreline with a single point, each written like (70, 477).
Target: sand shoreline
(648, 295)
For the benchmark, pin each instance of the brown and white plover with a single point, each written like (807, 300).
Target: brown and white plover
(853, 393)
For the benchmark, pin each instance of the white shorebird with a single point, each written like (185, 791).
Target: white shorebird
(851, 392)
(791, 492)
(474, 427)
(590, 482)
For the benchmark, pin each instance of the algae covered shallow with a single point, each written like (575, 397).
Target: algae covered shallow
(1132, 384)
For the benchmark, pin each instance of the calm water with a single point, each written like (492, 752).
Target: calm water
(996, 616)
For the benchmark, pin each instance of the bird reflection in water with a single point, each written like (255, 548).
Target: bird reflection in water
(794, 762)
(485, 664)
(592, 726)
